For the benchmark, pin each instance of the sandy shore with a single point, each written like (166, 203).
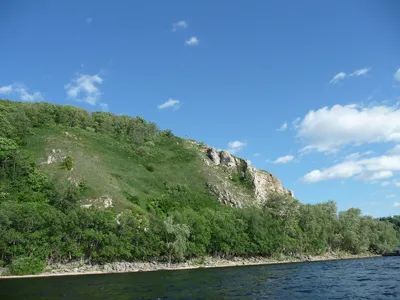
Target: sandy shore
(72, 269)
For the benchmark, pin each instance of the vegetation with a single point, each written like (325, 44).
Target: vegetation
(161, 207)
(27, 265)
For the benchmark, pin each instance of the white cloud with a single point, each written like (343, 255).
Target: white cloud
(396, 183)
(329, 129)
(343, 75)
(360, 72)
(353, 156)
(192, 41)
(391, 196)
(83, 88)
(396, 75)
(236, 146)
(179, 25)
(89, 20)
(357, 155)
(367, 169)
(396, 204)
(104, 106)
(256, 154)
(6, 90)
(283, 127)
(283, 159)
(338, 77)
(343, 170)
(21, 92)
(170, 103)
(295, 123)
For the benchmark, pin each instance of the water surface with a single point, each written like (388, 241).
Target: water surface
(371, 278)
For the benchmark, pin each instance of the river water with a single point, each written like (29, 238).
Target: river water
(371, 278)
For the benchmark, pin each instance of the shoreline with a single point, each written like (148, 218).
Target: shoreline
(74, 269)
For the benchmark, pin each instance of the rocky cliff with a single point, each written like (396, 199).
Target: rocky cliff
(235, 182)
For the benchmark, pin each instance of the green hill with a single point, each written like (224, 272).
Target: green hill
(102, 187)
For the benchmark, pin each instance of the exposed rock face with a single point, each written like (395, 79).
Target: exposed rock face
(227, 159)
(213, 155)
(101, 202)
(54, 157)
(264, 183)
(224, 196)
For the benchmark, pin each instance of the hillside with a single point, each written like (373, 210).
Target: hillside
(102, 187)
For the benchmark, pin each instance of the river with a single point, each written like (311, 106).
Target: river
(370, 278)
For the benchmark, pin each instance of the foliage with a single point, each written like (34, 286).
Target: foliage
(27, 265)
(176, 236)
(164, 211)
(68, 163)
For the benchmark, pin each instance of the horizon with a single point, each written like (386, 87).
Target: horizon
(227, 74)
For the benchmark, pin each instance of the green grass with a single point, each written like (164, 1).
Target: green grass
(115, 168)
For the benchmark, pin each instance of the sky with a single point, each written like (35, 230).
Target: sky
(308, 90)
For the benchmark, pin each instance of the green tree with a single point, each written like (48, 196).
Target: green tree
(175, 239)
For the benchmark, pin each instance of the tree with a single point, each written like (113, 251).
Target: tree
(176, 236)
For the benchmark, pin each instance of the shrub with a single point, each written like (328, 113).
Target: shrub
(68, 163)
(149, 167)
(133, 198)
(27, 265)
(83, 186)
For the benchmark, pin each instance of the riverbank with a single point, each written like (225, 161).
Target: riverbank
(76, 268)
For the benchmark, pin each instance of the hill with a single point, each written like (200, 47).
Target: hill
(102, 187)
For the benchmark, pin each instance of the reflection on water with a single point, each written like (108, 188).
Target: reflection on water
(373, 278)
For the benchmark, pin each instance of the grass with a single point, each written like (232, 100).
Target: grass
(116, 168)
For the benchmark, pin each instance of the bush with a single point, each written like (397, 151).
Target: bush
(149, 167)
(68, 163)
(27, 265)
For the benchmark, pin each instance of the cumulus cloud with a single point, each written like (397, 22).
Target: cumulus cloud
(329, 129)
(236, 146)
(360, 72)
(170, 103)
(6, 90)
(338, 77)
(396, 204)
(192, 41)
(179, 25)
(283, 159)
(84, 88)
(21, 92)
(367, 169)
(283, 127)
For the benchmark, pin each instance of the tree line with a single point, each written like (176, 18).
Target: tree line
(40, 223)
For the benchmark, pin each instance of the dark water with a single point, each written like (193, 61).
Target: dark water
(373, 278)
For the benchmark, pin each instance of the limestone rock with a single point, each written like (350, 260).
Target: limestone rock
(101, 202)
(224, 196)
(222, 183)
(213, 155)
(227, 159)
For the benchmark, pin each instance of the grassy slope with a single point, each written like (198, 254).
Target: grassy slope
(115, 168)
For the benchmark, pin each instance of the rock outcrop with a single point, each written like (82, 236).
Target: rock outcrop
(101, 202)
(263, 183)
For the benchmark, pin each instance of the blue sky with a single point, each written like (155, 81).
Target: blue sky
(231, 74)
